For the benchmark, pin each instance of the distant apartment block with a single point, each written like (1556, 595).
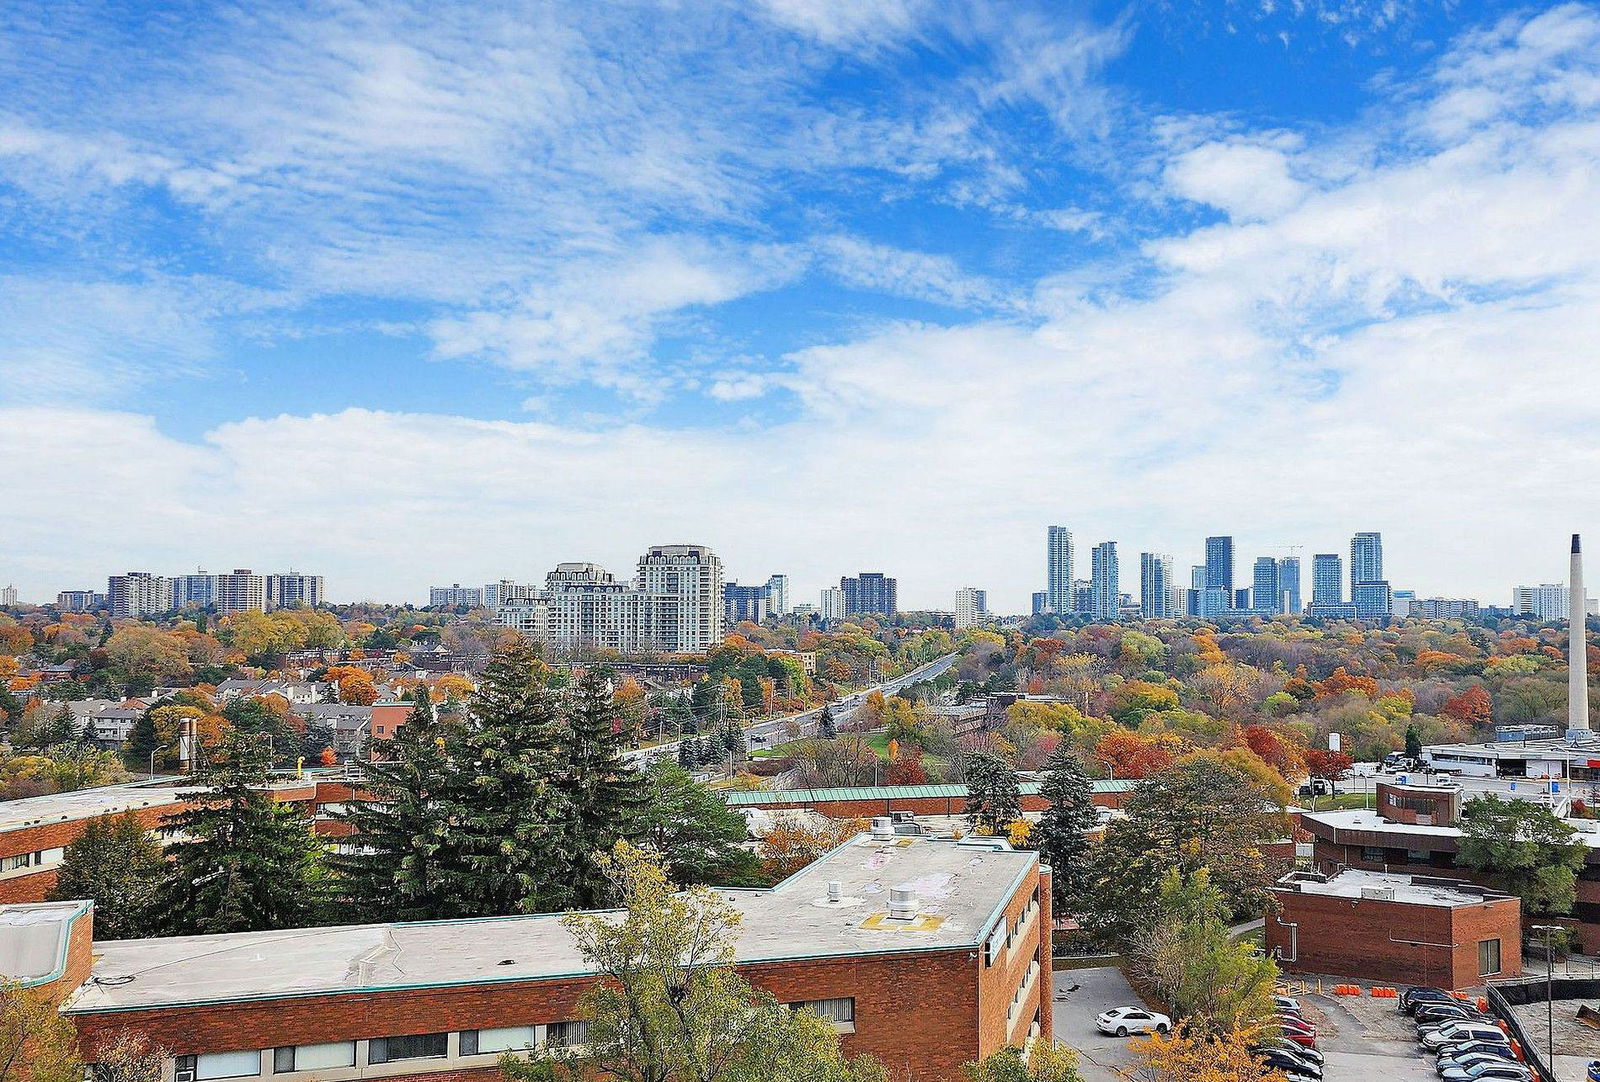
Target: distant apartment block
(1155, 586)
(745, 603)
(198, 590)
(870, 592)
(674, 606)
(1104, 582)
(778, 595)
(454, 595)
(972, 607)
(831, 604)
(1040, 602)
(1444, 608)
(1219, 565)
(138, 593)
(1546, 601)
(8, 597)
(80, 601)
(241, 590)
(1058, 570)
(293, 590)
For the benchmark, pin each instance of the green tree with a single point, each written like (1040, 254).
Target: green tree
(36, 1043)
(827, 728)
(993, 800)
(1187, 956)
(604, 795)
(511, 818)
(698, 836)
(669, 1005)
(1525, 848)
(1046, 1062)
(243, 862)
(1061, 833)
(400, 869)
(1201, 813)
(116, 863)
(1413, 742)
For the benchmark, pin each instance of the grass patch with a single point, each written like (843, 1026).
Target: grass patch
(1342, 802)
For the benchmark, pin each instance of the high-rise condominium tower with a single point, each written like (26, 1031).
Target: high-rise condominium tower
(1106, 603)
(1219, 565)
(1155, 586)
(1058, 570)
(1327, 579)
(1289, 583)
(1265, 593)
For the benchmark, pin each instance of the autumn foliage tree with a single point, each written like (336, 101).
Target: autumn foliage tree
(1133, 756)
(1187, 1056)
(1472, 706)
(791, 842)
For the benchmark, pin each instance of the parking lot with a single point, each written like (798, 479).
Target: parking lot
(1361, 1038)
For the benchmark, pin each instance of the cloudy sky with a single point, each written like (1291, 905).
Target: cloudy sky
(413, 293)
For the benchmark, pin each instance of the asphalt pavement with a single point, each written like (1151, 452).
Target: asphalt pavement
(1080, 996)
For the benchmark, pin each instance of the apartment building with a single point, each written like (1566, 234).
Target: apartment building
(675, 606)
(293, 590)
(449, 597)
(242, 590)
(925, 953)
(138, 593)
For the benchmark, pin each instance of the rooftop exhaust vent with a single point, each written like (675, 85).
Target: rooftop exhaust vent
(903, 903)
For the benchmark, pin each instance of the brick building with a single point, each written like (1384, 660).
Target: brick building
(1413, 831)
(868, 801)
(1395, 929)
(927, 954)
(35, 831)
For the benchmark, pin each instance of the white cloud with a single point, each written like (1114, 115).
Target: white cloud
(1247, 180)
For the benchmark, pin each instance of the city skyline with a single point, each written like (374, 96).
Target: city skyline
(450, 287)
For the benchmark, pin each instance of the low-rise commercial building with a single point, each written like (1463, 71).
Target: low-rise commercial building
(1413, 831)
(1394, 929)
(927, 954)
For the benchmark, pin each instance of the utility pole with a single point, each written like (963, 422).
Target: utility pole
(1549, 995)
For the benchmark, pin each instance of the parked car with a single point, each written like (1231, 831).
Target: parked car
(1488, 1054)
(1121, 1021)
(1427, 1013)
(1286, 1003)
(1306, 1038)
(1287, 1022)
(1289, 1062)
(1310, 1055)
(1412, 998)
(1461, 1047)
(1459, 1031)
(1515, 1072)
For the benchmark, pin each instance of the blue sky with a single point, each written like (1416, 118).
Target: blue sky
(411, 293)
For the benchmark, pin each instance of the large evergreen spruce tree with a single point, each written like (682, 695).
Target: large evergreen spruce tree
(604, 795)
(512, 817)
(1062, 830)
(398, 864)
(244, 862)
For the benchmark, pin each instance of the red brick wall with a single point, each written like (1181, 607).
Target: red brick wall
(916, 1011)
(1442, 813)
(1393, 942)
(925, 805)
(27, 888)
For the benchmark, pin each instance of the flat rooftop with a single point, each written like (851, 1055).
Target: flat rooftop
(962, 888)
(1410, 889)
(737, 798)
(1546, 748)
(1588, 830)
(33, 940)
(87, 803)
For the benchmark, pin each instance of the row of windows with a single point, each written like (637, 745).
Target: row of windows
(840, 1012)
(333, 1055)
(39, 858)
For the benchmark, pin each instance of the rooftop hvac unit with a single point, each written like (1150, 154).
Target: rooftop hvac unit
(882, 827)
(903, 903)
(1378, 894)
(835, 891)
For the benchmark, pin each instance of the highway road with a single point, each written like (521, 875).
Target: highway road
(776, 730)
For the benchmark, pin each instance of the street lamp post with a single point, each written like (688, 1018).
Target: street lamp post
(1549, 993)
(1111, 767)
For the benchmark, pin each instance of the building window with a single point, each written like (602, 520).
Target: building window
(223, 1064)
(1488, 957)
(313, 1057)
(1373, 854)
(1419, 856)
(411, 1046)
(480, 1042)
(565, 1034)
(837, 1011)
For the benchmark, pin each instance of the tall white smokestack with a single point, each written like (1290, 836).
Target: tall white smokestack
(1577, 648)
